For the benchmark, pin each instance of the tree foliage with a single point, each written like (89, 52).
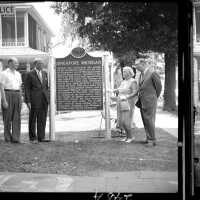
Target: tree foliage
(129, 29)
(123, 27)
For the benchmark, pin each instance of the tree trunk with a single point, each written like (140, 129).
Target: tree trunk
(170, 82)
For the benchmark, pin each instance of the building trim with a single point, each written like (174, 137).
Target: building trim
(31, 9)
(26, 35)
(40, 20)
(0, 32)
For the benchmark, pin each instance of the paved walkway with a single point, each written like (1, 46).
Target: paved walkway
(91, 120)
(124, 182)
(129, 182)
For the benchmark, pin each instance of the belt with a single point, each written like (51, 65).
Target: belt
(8, 90)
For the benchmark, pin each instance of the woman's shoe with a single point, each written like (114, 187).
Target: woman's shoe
(130, 140)
(124, 139)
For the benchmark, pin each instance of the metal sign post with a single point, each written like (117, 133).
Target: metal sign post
(107, 96)
(52, 107)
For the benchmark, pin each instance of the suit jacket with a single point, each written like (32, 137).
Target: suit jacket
(36, 92)
(149, 89)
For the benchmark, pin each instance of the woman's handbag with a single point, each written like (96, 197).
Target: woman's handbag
(124, 105)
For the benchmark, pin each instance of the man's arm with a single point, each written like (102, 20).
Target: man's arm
(20, 89)
(3, 96)
(47, 87)
(27, 85)
(157, 83)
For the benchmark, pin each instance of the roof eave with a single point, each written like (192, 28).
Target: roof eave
(41, 20)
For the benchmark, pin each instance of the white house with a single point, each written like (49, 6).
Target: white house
(23, 34)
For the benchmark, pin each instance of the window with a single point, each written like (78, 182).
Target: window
(20, 28)
(38, 37)
(41, 40)
(8, 30)
(13, 31)
(45, 42)
(32, 32)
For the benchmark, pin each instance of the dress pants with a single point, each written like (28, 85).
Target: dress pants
(148, 118)
(39, 116)
(12, 116)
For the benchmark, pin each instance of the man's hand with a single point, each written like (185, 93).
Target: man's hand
(5, 104)
(29, 106)
(122, 98)
(113, 98)
(116, 91)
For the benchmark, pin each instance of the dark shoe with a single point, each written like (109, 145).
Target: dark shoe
(33, 141)
(43, 140)
(154, 143)
(16, 142)
(146, 141)
(151, 143)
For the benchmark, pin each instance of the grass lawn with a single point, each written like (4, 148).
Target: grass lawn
(90, 156)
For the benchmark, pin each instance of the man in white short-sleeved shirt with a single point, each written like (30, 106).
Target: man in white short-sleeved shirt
(10, 82)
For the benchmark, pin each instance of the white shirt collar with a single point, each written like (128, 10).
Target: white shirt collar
(37, 70)
(11, 71)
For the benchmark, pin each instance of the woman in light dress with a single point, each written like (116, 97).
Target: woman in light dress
(127, 91)
(117, 77)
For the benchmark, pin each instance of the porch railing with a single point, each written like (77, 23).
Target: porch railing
(10, 44)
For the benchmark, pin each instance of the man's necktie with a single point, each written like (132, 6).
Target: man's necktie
(40, 75)
(141, 78)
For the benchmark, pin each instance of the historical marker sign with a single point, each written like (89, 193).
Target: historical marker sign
(79, 82)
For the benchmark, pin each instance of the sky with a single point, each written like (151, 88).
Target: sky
(50, 17)
(54, 22)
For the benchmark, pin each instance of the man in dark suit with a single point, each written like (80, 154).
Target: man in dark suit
(37, 99)
(149, 90)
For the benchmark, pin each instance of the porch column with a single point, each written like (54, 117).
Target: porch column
(28, 67)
